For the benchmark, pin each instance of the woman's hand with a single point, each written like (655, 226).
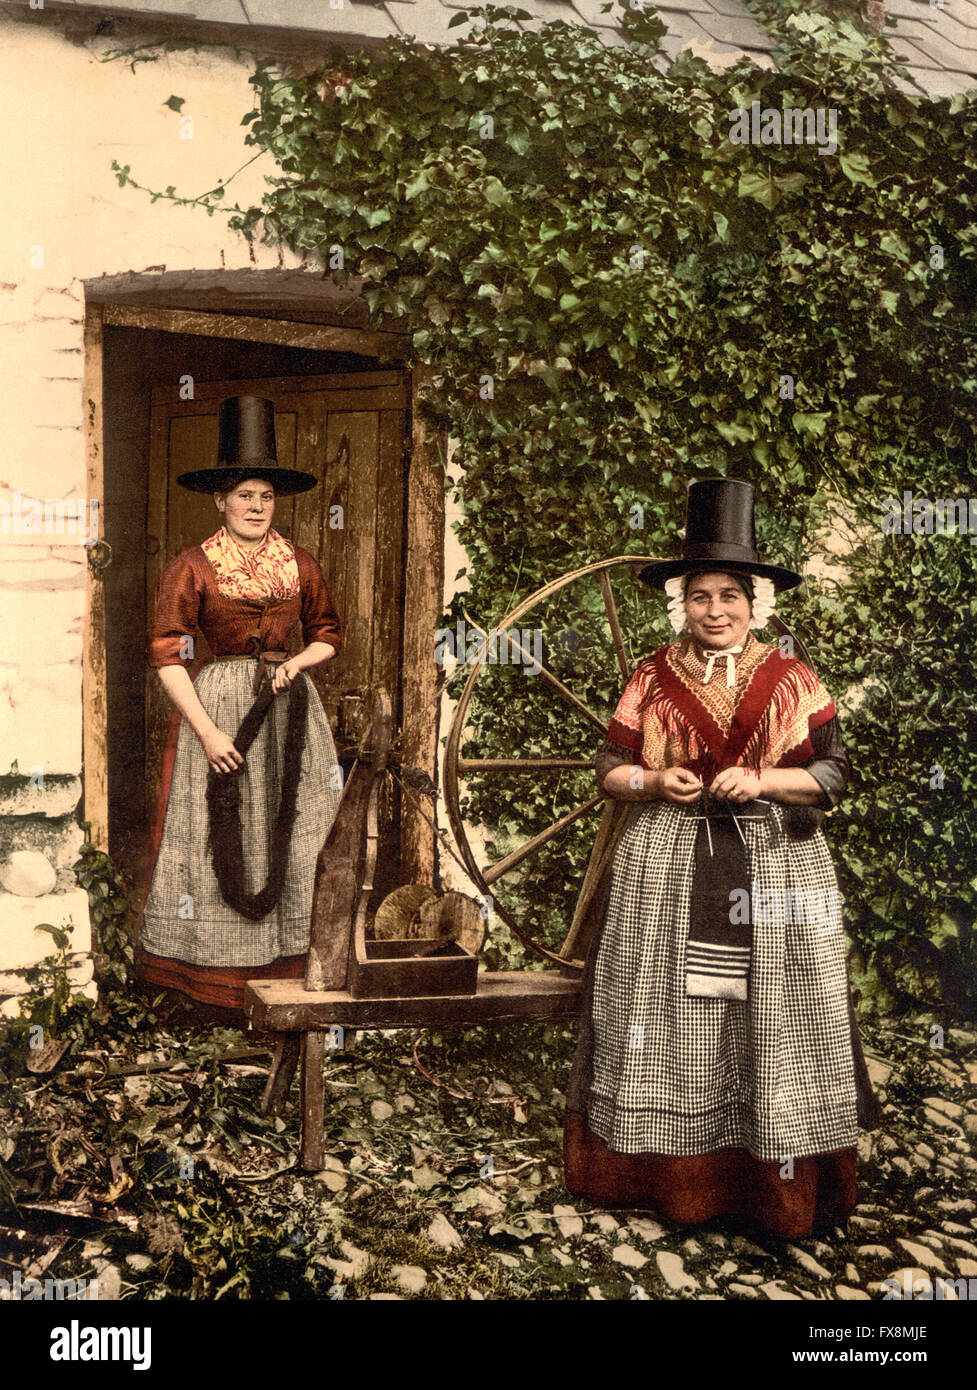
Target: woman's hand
(629, 782)
(312, 655)
(285, 674)
(679, 786)
(220, 750)
(736, 784)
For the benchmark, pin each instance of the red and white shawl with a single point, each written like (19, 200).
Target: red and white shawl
(670, 717)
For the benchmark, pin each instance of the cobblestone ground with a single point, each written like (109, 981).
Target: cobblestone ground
(916, 1220)
(443, 1181)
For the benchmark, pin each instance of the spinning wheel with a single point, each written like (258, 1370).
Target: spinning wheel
(644, 627)
(603, 611)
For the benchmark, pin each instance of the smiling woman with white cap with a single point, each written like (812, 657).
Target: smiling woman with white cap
(718, 1070)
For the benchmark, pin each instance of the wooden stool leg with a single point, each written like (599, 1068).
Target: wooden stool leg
(282, 1070)
(313, 1060)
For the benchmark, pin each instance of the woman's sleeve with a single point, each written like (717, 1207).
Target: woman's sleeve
(829, 765)
(625, 733)
(609, 756)
(320, 621)
(174, 622)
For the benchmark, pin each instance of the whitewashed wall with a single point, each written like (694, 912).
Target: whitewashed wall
(66, 221)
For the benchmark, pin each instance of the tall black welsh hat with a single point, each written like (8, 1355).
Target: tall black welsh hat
(246, 449)
(720, 535)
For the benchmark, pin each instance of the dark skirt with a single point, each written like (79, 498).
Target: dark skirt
(219, 985)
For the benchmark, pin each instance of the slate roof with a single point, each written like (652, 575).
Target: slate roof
(936, 41)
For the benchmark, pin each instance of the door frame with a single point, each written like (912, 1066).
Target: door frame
(423, 559)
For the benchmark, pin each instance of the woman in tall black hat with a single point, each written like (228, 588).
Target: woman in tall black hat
(250, 782)
(718, 1069)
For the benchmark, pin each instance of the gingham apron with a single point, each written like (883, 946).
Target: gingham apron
(186, 916)
(677, 1074)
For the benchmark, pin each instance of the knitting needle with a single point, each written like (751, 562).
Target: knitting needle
(705, 817)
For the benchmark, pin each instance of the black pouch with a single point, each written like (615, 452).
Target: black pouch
(801, 822)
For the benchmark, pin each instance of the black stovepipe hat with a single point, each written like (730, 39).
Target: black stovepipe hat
(246, 449)
(719, 535)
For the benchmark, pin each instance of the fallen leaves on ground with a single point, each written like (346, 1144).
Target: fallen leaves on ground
(424, 1195)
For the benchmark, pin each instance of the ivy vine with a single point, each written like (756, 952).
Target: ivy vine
(615, 299)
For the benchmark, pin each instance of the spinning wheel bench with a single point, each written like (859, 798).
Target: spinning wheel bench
(302, 1019)
(352, 982)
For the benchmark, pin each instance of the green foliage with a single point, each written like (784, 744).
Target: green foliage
(903, 628)
(615, 299)
(111, 916)
(47, 1009)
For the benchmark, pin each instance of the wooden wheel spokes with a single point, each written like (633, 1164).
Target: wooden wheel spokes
(456, 766)
(617, 635)
(554, 683)
(504, 866)
(523, 764)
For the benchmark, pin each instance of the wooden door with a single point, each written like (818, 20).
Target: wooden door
(351, 431)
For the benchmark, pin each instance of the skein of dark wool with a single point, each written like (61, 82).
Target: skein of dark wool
(224, 807)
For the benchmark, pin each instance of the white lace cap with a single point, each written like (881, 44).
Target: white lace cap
(764, 601)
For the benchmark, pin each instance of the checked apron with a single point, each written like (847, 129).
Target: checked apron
(186, 917)
(706, 1106)
(191, 938)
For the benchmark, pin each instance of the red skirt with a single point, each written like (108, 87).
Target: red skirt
(819, 1193)
(221, 985)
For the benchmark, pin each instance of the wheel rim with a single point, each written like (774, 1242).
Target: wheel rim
(456, 767)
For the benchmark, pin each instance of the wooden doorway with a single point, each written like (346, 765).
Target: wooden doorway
(328, 383)
(350, 431)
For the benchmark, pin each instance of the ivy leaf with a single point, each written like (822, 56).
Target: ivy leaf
(858, 168)
(418, 184)
(812, 422)
(758, 186)
(374, 217)
(496, 192)
(544, 284)
(177, 103)
(945, 930)
(734, 434)
(790, 183)
(893, 245)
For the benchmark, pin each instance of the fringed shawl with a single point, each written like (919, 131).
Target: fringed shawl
(669, 718)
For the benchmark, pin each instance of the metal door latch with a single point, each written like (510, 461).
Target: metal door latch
(99, 556)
